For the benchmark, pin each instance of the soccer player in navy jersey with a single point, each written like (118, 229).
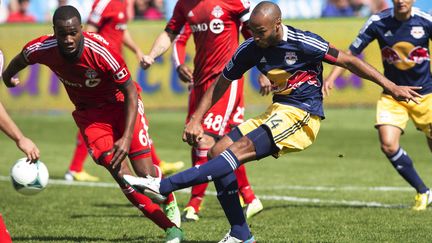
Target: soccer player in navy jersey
(403, 35)
(292, 60)
(215, 26)
(108, 109)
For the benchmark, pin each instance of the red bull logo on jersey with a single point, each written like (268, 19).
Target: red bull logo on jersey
(284, 82)
(417, 32)
(404, 55)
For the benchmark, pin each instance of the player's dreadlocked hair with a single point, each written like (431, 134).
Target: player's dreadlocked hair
(65, 13)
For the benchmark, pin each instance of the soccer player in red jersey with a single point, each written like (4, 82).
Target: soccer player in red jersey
(109, 19)
(215, 26)
(108, 108)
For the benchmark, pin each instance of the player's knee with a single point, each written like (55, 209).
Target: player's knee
(105, 158)
(389, 149)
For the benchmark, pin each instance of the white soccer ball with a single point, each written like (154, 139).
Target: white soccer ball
(29, 178)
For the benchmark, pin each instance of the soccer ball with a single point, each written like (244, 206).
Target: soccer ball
(29, 178)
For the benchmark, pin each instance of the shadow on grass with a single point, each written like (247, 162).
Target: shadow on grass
(91, 239)
(336, 206)
(80, 239)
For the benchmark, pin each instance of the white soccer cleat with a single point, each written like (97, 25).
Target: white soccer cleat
(148, 186)
(253, 208)
(231, 239)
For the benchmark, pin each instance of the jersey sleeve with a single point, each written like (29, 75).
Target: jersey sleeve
(96, 16)
(33, 50)
(178, 19)
(243, 59)
(109, 61)
(366, 35)
(179, 46)
(315, 48)
(241, 9)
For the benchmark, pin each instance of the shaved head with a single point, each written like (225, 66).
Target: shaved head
(266, 24)
(266, 11)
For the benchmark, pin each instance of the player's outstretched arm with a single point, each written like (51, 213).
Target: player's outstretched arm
(160, 46)
(366, 71)
(193, 131)
(17, 64)
(121, 146)
(8, 126)
(329, 81)
(131, 45)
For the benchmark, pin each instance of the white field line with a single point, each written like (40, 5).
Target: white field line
(269, 197)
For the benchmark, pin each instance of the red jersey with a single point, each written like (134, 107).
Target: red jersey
(90, 81)
(110, 17)
(215, 25)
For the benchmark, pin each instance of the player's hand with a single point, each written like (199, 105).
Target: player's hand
(405, 93)
(193, 132)
(146, 61)
(120, 150)
(29, 148)
(265, 85)
(327, 87)
(185, 73)
(12, 82)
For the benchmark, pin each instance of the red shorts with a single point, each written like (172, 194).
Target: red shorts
(227, 113)
(101, 127)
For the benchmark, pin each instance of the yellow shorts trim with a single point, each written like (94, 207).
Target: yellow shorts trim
(293, 129)
(397, 113)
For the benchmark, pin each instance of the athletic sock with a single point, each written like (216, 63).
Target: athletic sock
(404, 166)
(80, 154)
(199, 157)
(223, 164)
(243, 184)
(227, 194)
(149, 209)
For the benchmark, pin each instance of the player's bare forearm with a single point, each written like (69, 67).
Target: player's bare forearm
(130, 43)
(366, 71)
(161, 44)
(121, 146)
(17, 64)
(131, 108)
(8, 126)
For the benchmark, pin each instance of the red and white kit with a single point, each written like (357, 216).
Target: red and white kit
(215, 25)
(92, 85)
(110, 17)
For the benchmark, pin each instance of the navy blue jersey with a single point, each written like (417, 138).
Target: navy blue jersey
(294, 67)
(404, 47)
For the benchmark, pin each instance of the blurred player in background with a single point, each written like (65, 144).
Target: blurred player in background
(292, 60)
(403, 34)
(215, 25)
(108, 108)
(109, 19)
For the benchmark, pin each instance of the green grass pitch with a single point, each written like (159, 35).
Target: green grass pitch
(341, 189)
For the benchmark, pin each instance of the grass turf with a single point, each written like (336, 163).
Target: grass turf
(319, 195)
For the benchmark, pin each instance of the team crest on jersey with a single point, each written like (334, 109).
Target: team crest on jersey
(92, 79)
(417, 32)
(217, 11)
(290, 57)
(216, 26)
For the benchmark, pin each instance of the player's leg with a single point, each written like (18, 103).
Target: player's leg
(76, 171)
(392, 117)
(143, 164)
(100, 138)
(4, 233)
(253, 204)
